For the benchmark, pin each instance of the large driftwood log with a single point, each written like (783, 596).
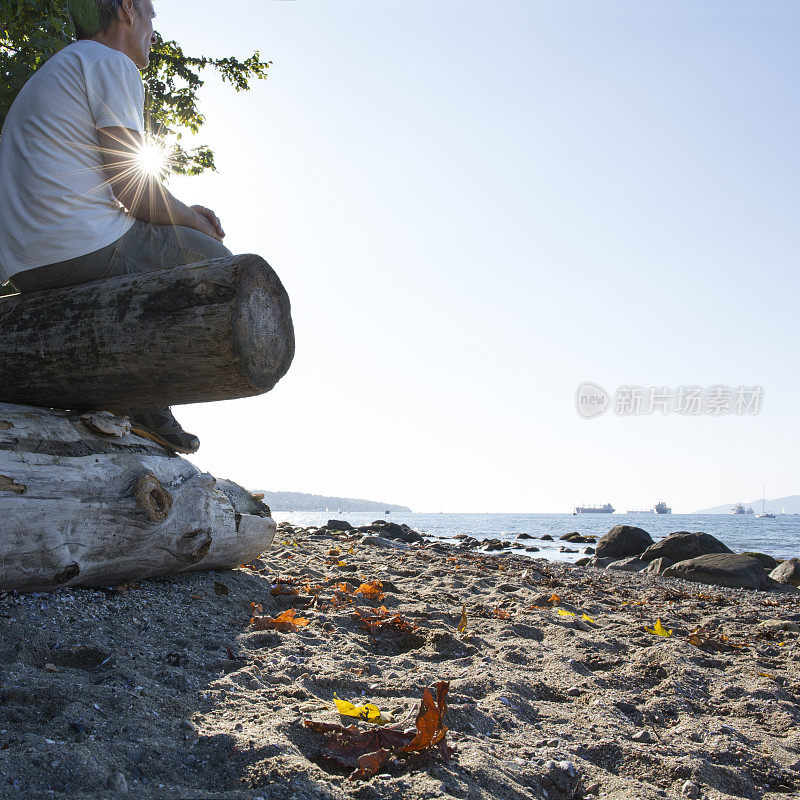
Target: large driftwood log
(83, 502)
(216, 330)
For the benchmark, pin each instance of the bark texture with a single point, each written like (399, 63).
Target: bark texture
(216, 330)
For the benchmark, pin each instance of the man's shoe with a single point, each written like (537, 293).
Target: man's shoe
(160, 426)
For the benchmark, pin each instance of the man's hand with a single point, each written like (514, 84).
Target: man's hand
(142, 194)
(208, 222)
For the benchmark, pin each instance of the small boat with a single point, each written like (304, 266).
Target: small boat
(740, 509)
(763, 514)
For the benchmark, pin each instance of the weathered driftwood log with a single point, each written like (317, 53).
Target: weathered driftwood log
(217, 330)
(83, 502)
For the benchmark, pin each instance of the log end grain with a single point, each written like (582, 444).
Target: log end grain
(262, 324)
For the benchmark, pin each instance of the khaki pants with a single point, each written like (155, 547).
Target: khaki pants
(145, 247)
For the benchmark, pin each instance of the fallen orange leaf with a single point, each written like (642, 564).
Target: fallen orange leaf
(370, 591)
(285, 622)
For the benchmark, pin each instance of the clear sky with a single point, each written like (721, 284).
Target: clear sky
(477, 206)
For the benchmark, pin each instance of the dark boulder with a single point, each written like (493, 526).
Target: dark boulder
(768, 562)
(546, 538)
(391, 530)
(577, 538)
(338, 525)
(723, 569)
(787, 572)
(683, 545)
(622, 541)
(524, 536)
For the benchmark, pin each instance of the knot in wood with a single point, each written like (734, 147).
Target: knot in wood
(8, 485)
(152, 498)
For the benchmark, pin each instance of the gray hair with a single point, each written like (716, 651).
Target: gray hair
(90, 17)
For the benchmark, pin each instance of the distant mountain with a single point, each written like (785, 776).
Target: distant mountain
(791, 505)
(299, 501)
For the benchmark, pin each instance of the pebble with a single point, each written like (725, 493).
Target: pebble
(690, 789)
(642, 736)
(117, 783)
(573, 691)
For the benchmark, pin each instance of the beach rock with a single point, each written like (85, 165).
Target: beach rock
(564, 549)
(524, 536)
(632, 564)
(379, 541)
(587, 550)
(642, 736)
(622, 541)
(601, 563)
(338, 525)
(658, 565)
(546, 538)
(577, 538)
(391, 530)
(768, 562)
(583, 562)
(682, 545)
(690, 789)
(779, 625)
(117, 783)
(722, 569)
(788, 572)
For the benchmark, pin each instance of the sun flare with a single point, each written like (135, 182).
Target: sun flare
(152, 158)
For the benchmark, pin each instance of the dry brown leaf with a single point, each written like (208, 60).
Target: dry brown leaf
(286, 622)
(370, 591)
(430, 729)
(369, 750)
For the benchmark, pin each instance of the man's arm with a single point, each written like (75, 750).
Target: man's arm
(143, 194)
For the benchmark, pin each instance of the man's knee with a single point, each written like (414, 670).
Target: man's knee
(201, 243)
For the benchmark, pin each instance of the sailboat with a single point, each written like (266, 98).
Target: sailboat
(763, 514)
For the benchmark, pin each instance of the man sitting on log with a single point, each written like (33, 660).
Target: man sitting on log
(78, 204)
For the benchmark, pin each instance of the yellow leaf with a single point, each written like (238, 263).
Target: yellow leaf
(341, 564)
(462, 626)
(554, 599)
(368, 711)
(659, 630)
(563, 613)
(587, 618)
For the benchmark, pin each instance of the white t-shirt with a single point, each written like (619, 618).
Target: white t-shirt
(55, 203)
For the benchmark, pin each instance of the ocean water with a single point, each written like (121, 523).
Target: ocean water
(779, 537)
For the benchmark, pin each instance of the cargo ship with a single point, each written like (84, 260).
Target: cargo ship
(606, 509)
(662, 508)
(740, 509)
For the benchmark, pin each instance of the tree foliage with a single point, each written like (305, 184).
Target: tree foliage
(31, 31)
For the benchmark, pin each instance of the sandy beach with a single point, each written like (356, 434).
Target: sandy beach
(557, 689)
